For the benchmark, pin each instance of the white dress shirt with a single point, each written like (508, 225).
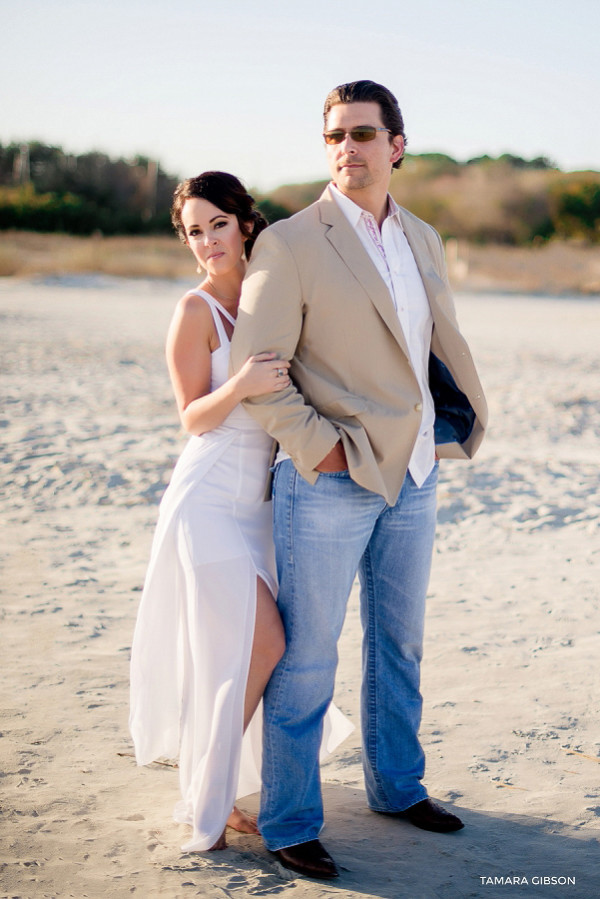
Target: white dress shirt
(391, 254)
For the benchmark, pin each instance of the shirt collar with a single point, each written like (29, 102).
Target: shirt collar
(354, 213)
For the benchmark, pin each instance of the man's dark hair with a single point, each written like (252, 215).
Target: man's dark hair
(370, 92)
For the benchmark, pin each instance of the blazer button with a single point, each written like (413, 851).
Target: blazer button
(418, 407)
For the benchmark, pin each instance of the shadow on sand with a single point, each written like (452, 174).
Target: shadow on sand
(380, 856)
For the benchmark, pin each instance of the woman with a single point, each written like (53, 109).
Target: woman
(208, 633)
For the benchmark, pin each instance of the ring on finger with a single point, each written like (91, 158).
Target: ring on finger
(280, 372)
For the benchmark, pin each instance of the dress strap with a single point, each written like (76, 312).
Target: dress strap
(216, 308)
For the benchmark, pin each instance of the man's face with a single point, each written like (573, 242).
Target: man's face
(357, 165)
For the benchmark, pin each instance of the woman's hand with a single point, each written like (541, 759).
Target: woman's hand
(262, 374)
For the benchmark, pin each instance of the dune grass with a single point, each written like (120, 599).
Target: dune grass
(553, 268)
(24, 253)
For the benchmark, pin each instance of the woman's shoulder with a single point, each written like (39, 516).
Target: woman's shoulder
(194, 302)
(195, 309)
(192, 317)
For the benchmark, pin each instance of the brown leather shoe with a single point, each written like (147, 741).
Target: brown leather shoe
(309, 858)
(428, 815)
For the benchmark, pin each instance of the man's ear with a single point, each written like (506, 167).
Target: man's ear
(397, 148)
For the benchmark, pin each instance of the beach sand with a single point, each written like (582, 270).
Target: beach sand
(510, 675)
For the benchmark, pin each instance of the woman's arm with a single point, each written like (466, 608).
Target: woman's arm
(190, 341)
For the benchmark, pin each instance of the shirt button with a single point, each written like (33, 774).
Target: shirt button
(418, 407)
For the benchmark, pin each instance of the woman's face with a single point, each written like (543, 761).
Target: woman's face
(213, 236)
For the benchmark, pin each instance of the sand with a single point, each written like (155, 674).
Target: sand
(510, 676)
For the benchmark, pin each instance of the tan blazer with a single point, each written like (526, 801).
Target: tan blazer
(313, 296)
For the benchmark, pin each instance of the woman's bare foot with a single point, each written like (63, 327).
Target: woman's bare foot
(241, 822)
(220, 844)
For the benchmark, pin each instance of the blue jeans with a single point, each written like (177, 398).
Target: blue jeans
(324, 533)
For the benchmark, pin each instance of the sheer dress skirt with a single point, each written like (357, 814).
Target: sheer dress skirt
(193, 637)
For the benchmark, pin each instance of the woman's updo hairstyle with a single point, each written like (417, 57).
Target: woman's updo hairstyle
(229, 195)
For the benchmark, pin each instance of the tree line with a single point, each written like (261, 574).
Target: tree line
(507, 199)
(42, 188)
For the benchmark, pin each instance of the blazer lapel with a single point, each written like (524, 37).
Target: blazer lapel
(435, 288)
(346, 242)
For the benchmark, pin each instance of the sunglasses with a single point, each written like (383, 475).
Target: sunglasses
(361, 135)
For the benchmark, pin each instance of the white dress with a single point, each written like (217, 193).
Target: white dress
(193, 636)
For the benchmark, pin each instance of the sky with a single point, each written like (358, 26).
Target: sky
(240, 86)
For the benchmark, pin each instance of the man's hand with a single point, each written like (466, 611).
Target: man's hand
(335, 460)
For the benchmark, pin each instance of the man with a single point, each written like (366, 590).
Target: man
(354, 291)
